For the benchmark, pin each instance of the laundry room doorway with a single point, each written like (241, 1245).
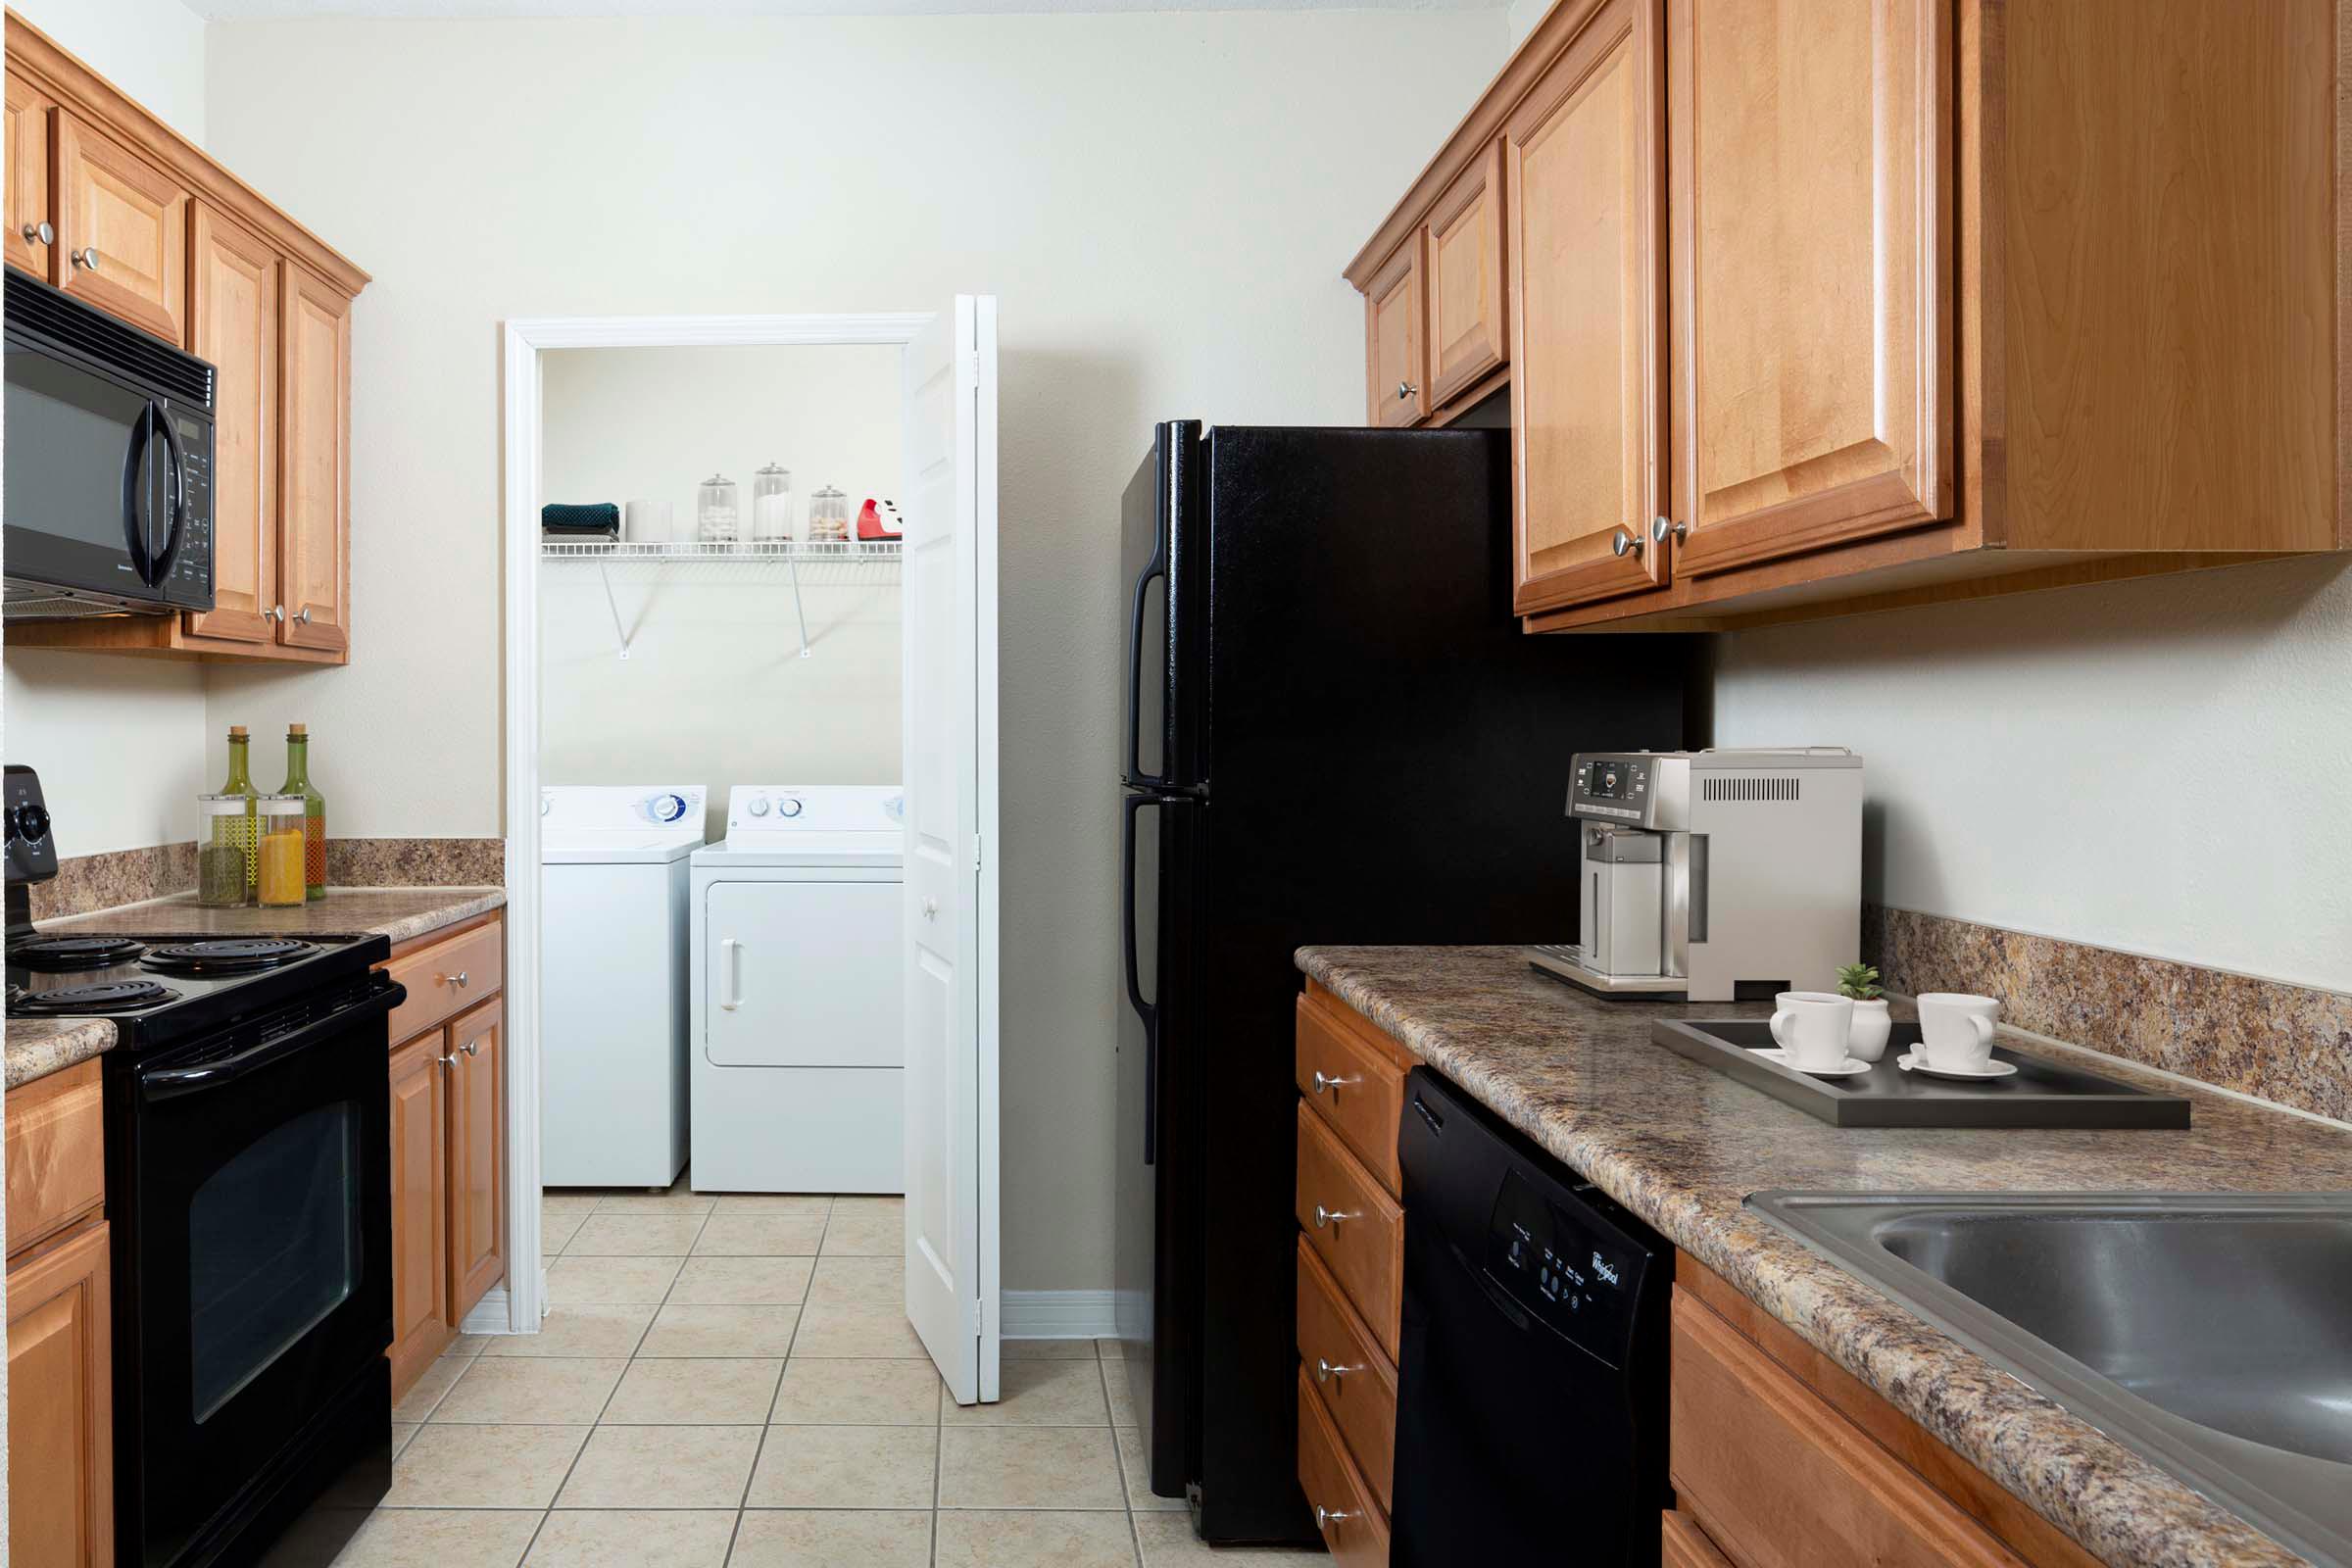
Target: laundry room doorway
(793, 658)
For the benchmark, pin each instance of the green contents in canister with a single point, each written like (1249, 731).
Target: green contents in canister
(225, 849)
(221, 876)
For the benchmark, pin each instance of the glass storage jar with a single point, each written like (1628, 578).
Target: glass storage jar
(225, 850)
(715, 514)
(828, 516)
(281, 849)
(771, 506)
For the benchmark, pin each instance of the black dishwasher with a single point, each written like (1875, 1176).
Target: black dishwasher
(1531, 1408)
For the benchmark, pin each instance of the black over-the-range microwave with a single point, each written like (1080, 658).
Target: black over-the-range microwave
(108, 494)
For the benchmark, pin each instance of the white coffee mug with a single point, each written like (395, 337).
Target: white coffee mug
(1812, 1026)
(1956, 1029)
(646, 522)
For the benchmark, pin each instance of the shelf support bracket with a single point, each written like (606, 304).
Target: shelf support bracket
(620, 633)
(798, 609)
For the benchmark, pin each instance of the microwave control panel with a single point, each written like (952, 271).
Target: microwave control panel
(1578, 1275)
(190, 581)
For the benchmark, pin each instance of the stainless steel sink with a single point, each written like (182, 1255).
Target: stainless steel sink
(2211, 1333)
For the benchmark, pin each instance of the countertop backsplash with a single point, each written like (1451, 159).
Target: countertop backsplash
(87, 883)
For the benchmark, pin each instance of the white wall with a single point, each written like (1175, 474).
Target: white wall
(119, 742)
(2163, 767)
(1162, 202)
(1519, 18)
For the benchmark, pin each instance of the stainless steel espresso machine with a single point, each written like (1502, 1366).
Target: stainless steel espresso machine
(1714, 876)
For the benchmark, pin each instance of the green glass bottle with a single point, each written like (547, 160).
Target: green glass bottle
(313, 811)
(233, 831)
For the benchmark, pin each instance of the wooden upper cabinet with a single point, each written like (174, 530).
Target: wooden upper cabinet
(232, 322)
(1467, 334)
(313, 542)
(1397, 337)
(28, 195)
(124, 226)
(477, 1215)
(1811, 173)
(1581, 168)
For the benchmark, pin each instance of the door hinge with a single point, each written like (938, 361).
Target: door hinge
(976, 857)
(971, 372)
(980, 1317)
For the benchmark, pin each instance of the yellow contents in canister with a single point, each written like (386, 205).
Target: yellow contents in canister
(281, 876)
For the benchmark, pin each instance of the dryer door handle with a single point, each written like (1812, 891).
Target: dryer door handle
(731, 960)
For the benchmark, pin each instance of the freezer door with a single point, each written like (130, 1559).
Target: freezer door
(1159, 522)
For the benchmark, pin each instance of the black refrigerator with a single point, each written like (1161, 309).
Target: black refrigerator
(1335, 731)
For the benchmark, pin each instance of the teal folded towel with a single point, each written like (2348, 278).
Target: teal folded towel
(602, 517)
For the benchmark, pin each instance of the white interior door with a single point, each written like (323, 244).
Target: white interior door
(949, 614)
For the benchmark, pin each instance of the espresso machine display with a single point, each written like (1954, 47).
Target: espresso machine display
(1714, 876)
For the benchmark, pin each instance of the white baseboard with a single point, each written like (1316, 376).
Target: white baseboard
(492, 1314)
(1058, 1315)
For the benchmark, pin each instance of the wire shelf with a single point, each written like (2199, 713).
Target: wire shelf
(818, 563)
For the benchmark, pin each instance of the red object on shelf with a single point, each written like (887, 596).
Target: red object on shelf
(869, 520)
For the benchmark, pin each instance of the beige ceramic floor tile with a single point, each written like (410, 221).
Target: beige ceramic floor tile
(523, 1389)
(587, 1281)
(440, 1537)
(867, 1331)
(878, 1394)
(832, 1538)
(694, 1393)
(1168, 1542)
(483, 1467)
(683, 1200)
(402, 1432)
(1038, 1394)
(466, 1347)
(741, 1282)
(642, 1537)
(890, 1203)
(635, 1236)
(576, 1201)
(1122, 1402)
(844, 1279)
(1048, 1350)
(594, 1331)
(755, 1234)
(722, 1331)
(661, 1467)
(793, 1205)
(846, 1467)
(1140, 1495)
(1029, 1467)
(432, 1385)
(1026, 1539)
(866, 1232)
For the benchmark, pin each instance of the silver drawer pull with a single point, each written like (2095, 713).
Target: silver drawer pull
(1325, 1518)
(1325, 1371)
(1334, 1217)
(458, 979)
(1332, 1082)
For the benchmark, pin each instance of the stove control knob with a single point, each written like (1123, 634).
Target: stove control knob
(30, 822)
(788, 806)
(759, 806)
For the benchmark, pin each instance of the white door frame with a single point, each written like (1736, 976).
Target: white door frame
(525, 339)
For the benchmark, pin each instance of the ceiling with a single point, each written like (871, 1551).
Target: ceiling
(249, 9)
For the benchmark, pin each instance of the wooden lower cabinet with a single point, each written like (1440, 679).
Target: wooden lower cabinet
(1353, 1528)
(421, 1327)
(1683, 1544)
(477, 1152)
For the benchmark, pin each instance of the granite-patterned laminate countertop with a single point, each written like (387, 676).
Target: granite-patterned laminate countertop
(39, 1046)
(1682, 1146)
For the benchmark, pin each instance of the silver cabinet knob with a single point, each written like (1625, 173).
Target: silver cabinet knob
(1334, 1217)
(472, 1048)
(1405, 389)
(39, 233)
(458, 979)
(1325, 1081)
(1325, 1371)
(1624, 542)
(277, 612)
(1663, 528)
(87, 256)
(450, 1060)
(1325, 1518)
(305, 616)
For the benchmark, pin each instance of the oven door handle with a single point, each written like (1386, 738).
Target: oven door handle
(171, 1083)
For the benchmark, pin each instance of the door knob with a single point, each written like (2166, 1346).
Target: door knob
(1624, 542)
(1333, 1216)
(87, 256)
(1663, 528)
(1405, 389)
(39, 233)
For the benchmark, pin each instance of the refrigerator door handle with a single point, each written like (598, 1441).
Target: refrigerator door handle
(1156, 567)
(1149, 1012)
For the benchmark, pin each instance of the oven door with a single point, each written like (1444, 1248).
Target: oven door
(259, 1258)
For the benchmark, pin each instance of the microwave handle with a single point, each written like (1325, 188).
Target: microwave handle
(135, 493)
(161, 417)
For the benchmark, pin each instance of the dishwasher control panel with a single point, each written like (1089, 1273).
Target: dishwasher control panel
(1580, 1275)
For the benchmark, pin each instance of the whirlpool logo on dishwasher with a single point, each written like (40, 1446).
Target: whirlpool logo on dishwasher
(1603, 1270)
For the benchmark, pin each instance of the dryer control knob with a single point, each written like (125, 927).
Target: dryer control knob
(759, 806)
(788, 806)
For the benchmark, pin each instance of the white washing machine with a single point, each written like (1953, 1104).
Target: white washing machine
(796, 984)
(614, 879)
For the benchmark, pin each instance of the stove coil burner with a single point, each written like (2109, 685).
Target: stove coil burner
(57, 954)
(227, 956)
(108, 996)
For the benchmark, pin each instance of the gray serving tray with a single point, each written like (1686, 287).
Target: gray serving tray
(2041, 1094)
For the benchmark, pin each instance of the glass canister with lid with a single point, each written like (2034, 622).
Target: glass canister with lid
(225, 850)
(715, 518)
(828, 516)
(771, 506)
(281, 849)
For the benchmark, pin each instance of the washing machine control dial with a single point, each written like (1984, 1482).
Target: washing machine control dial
(788, 806)
(667, 807)
(758, 806)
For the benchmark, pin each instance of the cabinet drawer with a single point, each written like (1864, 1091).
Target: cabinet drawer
(1352, 1087)
(1353, 1528)
(448, 975)
(1356, 1382)
(1355, 1228)
(56, 1154)
(1683, 1544)
(1779, 1478)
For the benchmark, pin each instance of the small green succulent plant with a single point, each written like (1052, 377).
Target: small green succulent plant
(1859, 981)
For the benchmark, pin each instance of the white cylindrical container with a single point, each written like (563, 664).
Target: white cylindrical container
(714, 512)
(771, 506)
(648, 523)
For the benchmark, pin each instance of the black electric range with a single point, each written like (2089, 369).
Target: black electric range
(248, 1219)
